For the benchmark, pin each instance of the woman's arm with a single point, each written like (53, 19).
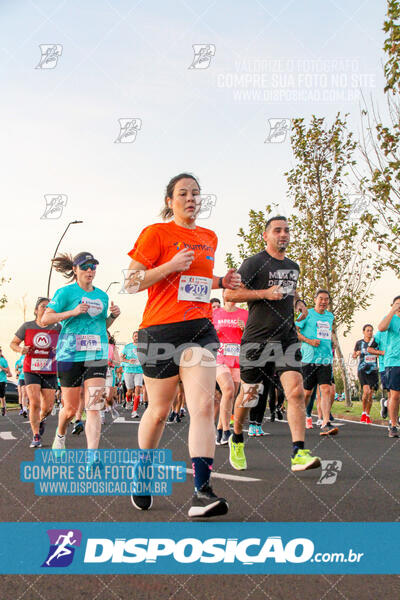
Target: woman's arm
(139, 277)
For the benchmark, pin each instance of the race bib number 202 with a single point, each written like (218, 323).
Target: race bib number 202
(195, 289)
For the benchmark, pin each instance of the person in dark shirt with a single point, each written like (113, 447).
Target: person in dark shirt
(270, 343)
(366, 350)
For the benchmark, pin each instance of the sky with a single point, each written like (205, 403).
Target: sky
(131, 60)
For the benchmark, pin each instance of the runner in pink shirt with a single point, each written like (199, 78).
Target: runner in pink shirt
(229, 323)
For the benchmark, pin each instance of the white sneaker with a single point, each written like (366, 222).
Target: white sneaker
(319, 422)
(59, 442)
(114, 412)
(134, 414)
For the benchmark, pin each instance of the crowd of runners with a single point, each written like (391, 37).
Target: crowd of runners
(219, 364)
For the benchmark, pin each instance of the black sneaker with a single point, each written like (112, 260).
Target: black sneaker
(206, 504)
(279, 414)
(218, 437)
(384, 410)
(177, 419)
(171, 417)
(225, 438)
(393, 433)
(3, 411)
(272, 417)
(142, 502)
(78, 428)
(331, 418)
(42, 427)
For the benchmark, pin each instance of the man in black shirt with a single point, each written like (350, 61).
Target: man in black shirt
(270, 344)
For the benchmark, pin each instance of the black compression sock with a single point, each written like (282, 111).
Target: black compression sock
(237, 437)
(297, 446)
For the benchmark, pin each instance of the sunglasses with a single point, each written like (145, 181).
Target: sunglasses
(88, 266)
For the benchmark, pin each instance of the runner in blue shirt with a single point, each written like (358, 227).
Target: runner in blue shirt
(317, 357)
(380, 338)
(4, 373)
(133, 373)
(19, 371)
(391, 324)
(82, 349)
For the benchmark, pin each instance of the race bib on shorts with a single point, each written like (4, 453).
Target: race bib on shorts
(323, 330)
(41, 364)
(194, 289)
(370, 358)
(88, 342)
(231, 349)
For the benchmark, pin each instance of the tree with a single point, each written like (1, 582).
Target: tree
(380, 148)
(3, 280)
(327, 241)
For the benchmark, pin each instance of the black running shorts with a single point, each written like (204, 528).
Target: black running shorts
(160, 347)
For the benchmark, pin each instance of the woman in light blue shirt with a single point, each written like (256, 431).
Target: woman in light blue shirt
(82, 349)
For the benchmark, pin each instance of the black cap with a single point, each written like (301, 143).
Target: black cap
(84, 257)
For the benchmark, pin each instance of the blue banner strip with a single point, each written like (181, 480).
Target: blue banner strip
(205, 548)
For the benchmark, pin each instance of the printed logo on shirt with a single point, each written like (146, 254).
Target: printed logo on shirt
(182, 245)
(286, 278)
(42, 340)
(95, 306)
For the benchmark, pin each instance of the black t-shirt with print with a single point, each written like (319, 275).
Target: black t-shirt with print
(270, 320)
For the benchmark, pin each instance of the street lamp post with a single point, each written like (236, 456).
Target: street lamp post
(55, 253)
(112, 283)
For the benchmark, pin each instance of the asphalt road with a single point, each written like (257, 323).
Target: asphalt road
(366, 488)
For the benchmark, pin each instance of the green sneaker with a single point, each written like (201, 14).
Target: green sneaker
(303, 461)
(236, 455)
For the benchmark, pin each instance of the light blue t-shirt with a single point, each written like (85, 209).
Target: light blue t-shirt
(381, 339)
(20, 365)
(317, 326)
(3, 374)
(130, 351)
(82, 338)
(392, 352)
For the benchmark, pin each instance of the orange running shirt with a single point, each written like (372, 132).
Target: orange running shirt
(156, 245)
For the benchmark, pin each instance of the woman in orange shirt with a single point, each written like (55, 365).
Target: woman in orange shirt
(174, 261)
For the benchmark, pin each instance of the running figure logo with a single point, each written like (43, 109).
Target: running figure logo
(330, 471)
(205, 204)
(128, 129)
(203, 54)
(55, 204)
(278, 130)
(62, 547)
(50, 55)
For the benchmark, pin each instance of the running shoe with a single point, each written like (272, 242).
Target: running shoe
(21, 412)
(384, 410)
(393, 433)
(3, 411)
(309, 424)
(319, 422)
(59, 442)
(54, 410)
(252, 430)
(182, 413)
(363, 418)
(331, 417)
(92, 465)
(177, 418)
(232, 421)
(272, 417)
(24, 414)
(78, 428)
(114, 412)
(225, 438)
(207, 504)
(259, 431)
(218, 437)
(368, 420)
(142, 502)
(237, 457)
(42, 427)
(134, 414)
(279, 414)
(102, 417)
(303, 461)
(171, 417)
(36, 442)
(329, 430)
